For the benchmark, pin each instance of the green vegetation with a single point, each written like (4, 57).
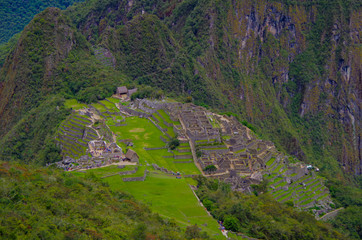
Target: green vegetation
(169, 197)
(5, 48)
(194, 51)
(51, 204)
(260, 216)
(106, 171)
(173, 144)
(348, 220)
(144, 134)
(15, 15)
(210, 168)
(32, 138)
(74, 104)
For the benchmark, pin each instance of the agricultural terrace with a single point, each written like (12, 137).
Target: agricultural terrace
(170, 197)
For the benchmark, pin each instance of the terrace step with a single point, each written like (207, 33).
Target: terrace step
(72, 128)
(74, 140)
(80, 121)
(75, 123)
(287, 198)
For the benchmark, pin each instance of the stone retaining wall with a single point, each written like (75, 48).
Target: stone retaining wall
(182, 150)
(136, 179)
(158, 126)
(128, 172)
(163, 139)
(133, 112)
(182, 156)
(158, 148)
(219, 151)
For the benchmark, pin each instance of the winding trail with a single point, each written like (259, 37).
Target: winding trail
(330, 215)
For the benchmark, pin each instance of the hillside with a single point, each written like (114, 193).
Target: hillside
(48, 203)
(275, 85)
(250, 59)
(15, 15)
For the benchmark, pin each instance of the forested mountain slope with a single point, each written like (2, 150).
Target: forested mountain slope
(15, 15)
(50, 204)
(292, 69)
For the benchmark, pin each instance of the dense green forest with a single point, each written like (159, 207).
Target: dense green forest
(15, 15)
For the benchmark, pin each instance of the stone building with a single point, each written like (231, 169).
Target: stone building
(132, 156)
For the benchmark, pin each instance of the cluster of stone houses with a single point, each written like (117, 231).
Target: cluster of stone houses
(99, 154)
(231, 147)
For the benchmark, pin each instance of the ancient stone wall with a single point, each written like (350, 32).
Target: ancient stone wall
(136, 179)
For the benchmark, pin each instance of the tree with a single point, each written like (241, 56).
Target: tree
(210, 168)
(231, 223)
(192, 232)
(174, 143)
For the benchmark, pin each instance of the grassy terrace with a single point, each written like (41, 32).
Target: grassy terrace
(74, 104)
(111, 106)
(167, 117)
(72, 147)
(270, 162)
(241, 150)
(144, 134)
(214, 122)
(165, 195)
(111, 122)
(182, 153)
(302, 195)
(275, 180)
(81, 119)
(162, 124)
(277, 169)
(226, 137)
(99, 107)
(105, 171)
(113, 100)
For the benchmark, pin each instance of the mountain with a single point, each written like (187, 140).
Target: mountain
(290, 69)
(15, 15)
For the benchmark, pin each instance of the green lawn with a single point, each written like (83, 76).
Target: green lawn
(162, 124)
(99, 107)
(170, 197)
(144, 134)
(270, 162)
(214, 122)
(111, 106)
(105, 171)
(113, 100)
(167, 117)
(277, 169)
(74, 104)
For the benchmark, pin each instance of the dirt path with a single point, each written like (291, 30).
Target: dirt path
(330, 215)
(107, 165)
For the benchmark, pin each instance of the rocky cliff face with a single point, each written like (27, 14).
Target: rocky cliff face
(291, 69)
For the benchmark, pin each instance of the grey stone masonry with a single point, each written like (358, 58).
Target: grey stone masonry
(182, 156)
(136, 179)
(157, 148)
